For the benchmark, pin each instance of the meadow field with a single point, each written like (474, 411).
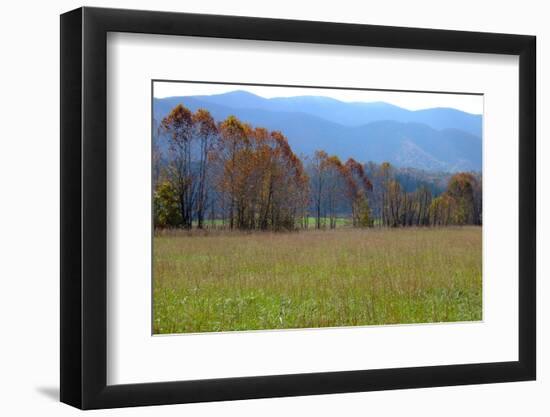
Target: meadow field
(212, 281)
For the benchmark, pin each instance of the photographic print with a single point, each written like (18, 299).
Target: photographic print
(282, 207)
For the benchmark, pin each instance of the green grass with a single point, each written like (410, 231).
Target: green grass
(220, 281)
(340, 221)
(210, 223)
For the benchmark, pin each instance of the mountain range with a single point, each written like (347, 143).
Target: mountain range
(437, 139)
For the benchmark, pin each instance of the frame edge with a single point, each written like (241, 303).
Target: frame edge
(528, 207)
(70, 213)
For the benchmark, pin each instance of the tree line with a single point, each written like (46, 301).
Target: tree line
(233, 175)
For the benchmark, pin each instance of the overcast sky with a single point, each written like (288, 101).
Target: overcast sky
(412, 101)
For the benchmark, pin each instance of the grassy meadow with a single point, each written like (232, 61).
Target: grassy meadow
(220, 281)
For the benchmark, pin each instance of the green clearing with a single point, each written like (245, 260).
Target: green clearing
(221, 281)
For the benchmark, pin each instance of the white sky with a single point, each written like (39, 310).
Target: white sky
(408, 100)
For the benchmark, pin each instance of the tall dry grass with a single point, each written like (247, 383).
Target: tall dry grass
(219, 281)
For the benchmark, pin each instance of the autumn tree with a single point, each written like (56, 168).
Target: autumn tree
(291, 191)
(460, 204)
(358, 185)
(462, 192)
(205, 130)
(319, 173)
(385, 175)
(423, 198)
(440, 210)
(179, 127)
(336, 187)
(263, 181)
(232, 139)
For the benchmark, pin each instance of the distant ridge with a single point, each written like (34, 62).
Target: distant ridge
(432, 139)
(349, 114)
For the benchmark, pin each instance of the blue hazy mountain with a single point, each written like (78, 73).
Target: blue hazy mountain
(351, 114)
(432, 139)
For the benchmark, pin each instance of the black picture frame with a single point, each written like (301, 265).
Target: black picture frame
(84, 207)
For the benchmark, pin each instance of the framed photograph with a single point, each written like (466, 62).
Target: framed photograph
(259, 208)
